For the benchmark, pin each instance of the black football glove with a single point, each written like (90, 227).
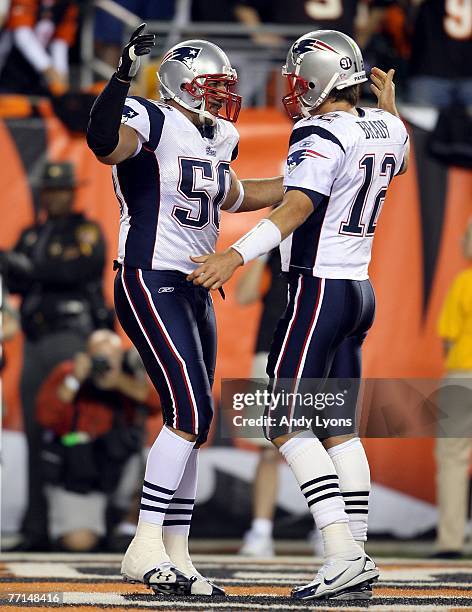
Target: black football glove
(139, 44)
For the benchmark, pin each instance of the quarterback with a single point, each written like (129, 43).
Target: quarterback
(340, 162)
(172, 177)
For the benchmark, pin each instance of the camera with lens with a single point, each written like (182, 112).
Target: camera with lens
(100, 366)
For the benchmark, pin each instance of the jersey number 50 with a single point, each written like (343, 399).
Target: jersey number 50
(209, 205)
(365, 208)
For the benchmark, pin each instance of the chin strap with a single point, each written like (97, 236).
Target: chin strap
(201, 112)
(204, 114)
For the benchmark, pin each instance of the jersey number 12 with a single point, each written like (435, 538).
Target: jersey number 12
(365, 210)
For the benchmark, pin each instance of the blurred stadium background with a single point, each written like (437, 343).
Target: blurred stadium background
(44, 105)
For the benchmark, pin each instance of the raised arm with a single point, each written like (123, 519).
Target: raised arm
(383, 88)
(112, 142)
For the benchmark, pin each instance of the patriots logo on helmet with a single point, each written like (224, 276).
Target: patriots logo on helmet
(128, 113)
(296, 158)
(311, 44)
(185, 55)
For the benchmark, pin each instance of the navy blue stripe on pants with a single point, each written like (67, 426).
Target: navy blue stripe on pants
(172, 325)
(319, 336)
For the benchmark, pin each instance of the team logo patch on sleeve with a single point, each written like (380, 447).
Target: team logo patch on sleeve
(185, 55)
(128, 113)
(296, 158)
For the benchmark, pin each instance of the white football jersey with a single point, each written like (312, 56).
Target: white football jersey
(350, 162)
(171, 190)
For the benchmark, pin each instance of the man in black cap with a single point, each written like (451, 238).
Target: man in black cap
(57, 268)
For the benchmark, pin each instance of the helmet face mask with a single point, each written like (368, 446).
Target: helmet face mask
(317, 63)
(198, 76)
(215, 91)
(293, 103)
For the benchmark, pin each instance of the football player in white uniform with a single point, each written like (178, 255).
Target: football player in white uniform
(172, 177)
(340, 162)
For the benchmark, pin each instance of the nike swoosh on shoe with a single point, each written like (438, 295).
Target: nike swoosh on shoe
(328, 582)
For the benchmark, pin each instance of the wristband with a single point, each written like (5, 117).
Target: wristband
(239, 200)
(71, 383)
(264, 237)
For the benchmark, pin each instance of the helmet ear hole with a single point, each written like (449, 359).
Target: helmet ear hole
(311, 85)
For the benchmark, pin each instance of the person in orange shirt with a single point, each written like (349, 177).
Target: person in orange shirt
(454, 441)
(94, 409)
(43, 31)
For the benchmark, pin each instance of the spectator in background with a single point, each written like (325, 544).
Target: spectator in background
(391, 44)
(263, 280)
(247, 12)
(95, 409)
(440, 73)
(38, 34)
(316, 15)
(253, 70)
(56, 267)
(455, 402)
(109, 31)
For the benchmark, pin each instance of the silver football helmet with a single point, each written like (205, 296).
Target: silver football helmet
(317, 63)
(197, 74)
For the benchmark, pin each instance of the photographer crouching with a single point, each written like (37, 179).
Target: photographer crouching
(94, 409)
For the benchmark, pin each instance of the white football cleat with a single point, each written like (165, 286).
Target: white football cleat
(164, 579)
(146, 561)
(347, 579)
(256, 545)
